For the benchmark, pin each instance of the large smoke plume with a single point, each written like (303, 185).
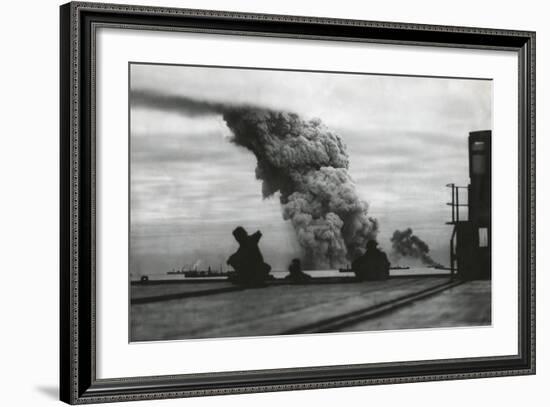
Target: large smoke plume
(306, 163)
(406, 244)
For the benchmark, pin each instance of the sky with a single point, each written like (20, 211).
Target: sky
(190, 187)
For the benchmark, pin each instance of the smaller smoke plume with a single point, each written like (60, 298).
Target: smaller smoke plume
(406, 244)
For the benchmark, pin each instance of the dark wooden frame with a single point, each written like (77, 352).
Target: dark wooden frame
(78, 382)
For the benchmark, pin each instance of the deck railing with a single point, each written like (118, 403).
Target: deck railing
(455, 219)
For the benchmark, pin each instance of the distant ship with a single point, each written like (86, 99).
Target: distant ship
(439, 267)
(194, 273)
(349, 270)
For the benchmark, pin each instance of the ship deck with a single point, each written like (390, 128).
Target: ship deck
(216, 308)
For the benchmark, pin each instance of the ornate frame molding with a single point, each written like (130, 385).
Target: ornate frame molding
(78, 380)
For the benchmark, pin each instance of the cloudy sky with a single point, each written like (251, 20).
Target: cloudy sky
(406, 138)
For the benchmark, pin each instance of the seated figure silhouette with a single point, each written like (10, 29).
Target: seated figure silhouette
(296, 274)
(373, 265)
(248, 262)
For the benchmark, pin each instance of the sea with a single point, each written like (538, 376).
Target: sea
(280, 274)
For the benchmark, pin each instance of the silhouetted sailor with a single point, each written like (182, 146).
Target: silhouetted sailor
(248, 262)
(296, 274)
(373, 265)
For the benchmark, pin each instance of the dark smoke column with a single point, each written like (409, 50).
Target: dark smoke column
(308, 165)
(406, 244)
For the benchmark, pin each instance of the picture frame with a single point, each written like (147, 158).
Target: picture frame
(79, 213)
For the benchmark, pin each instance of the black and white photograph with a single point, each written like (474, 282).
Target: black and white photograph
(275, 203)
(267, 202)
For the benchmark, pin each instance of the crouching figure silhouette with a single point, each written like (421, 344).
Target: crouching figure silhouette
(247, 261)
(373, 265)
(296, 275)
